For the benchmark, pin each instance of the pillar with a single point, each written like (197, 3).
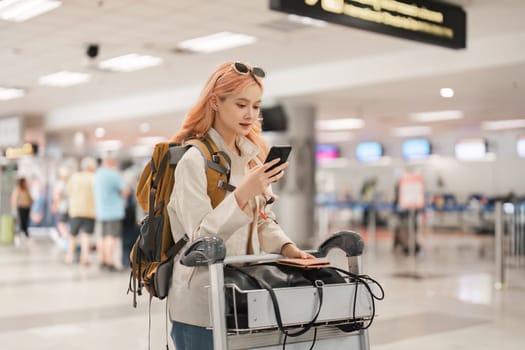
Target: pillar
(295, 208)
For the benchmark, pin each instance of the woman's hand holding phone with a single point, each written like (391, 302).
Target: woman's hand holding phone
(280, 152)
(257, 180)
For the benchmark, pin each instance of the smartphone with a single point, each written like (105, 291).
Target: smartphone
(281, 152)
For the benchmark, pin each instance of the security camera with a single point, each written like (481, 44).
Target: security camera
(92, 51)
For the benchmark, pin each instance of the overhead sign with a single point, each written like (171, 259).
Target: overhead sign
(427, 21)
(17, 152)
(411, 191)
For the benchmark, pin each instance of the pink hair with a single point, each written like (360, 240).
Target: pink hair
(225, 81)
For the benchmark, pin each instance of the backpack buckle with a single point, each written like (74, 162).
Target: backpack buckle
(225, 186)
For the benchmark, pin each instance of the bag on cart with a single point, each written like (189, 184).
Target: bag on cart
(152, 255)
(274, 275)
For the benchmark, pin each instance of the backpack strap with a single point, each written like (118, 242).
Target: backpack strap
(217, 167)
(170, 253)
(154, 184)
(215, 153)
(214, 161)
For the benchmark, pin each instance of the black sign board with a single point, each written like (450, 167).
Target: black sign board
(432, 22)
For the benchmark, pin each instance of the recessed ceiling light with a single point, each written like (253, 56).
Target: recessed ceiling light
(10, 93)
(100, 132)
(130, 62)
(446, 92)
(64, 78)
(340, 124)
(503, 124)
(427, 117)
(307, 21)
(22, 10)
(216, 42)
(408, 131)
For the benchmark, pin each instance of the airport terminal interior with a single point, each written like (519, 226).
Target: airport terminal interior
(406, 121)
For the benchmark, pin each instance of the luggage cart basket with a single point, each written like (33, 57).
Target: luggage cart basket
(339, 323)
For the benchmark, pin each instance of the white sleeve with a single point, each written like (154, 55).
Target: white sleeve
(191, 205)
(271, 235)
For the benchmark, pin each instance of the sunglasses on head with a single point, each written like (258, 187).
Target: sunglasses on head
(241, 68)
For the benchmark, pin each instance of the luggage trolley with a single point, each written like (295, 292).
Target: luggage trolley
(335, 325)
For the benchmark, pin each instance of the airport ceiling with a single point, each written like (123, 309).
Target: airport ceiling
(343, 72)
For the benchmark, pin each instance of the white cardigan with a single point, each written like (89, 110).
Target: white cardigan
(190, 212)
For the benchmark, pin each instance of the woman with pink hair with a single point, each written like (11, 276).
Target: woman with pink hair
(227, 112)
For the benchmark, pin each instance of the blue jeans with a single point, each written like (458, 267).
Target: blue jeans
(189, 337)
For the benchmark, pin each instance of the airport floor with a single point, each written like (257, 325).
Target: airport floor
(452, 304)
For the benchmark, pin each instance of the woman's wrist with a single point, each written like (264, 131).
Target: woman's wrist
(240, 197)
(290, 250)
(285, 249)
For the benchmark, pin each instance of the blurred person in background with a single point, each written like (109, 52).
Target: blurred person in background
(110, 191)
(130, 227)
(59, 205)
(40, 214)
(402, 226)
(81, 209)
(368, 193)
(21, 202)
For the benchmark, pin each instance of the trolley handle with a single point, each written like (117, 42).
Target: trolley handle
(204, 251)
(348, 241)
(212, 250)
(241, 259)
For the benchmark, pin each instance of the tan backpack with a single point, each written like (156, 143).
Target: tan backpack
(153, 253)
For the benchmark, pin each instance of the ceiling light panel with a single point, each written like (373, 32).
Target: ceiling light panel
(503, 124)
(130, 62)
(64, 78)
(22, 10)
(10, 93)
(340, 124)
(437, 116)
(409, 131)
(216, 42)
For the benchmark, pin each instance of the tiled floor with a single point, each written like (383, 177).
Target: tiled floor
(45, 304)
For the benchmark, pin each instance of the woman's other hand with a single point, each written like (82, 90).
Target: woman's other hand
(257, 181)
(290, 250)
